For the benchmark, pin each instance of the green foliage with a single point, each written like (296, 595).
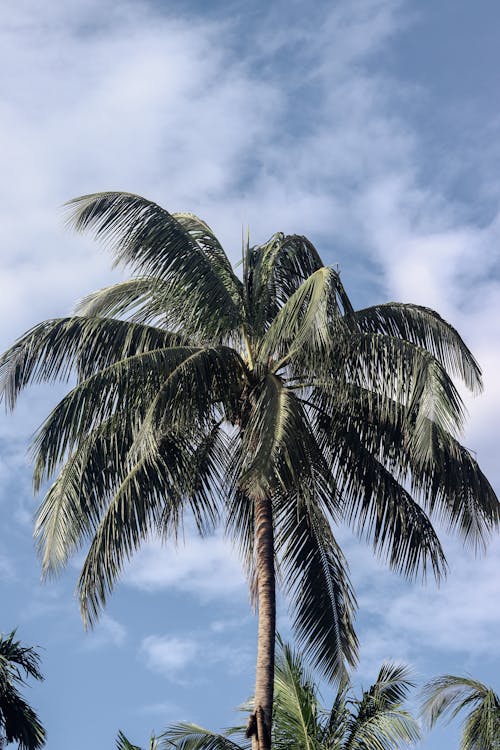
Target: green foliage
(376, 721)
(195, 392)
(18, 722)
(448, 695)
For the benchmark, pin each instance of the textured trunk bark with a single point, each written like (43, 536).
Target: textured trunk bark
(260, 722)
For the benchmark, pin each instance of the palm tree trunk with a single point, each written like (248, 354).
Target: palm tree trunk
(260, 721)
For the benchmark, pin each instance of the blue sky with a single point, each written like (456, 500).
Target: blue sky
(372, 126)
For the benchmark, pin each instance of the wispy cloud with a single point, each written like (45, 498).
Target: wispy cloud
(169, 655)
(190, 658)
(206, 567)
(107, 632)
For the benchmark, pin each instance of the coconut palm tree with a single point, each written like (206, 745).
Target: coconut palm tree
(267, 400)
(122, 743)
(448, 695)
(18, 722)
(376, 721)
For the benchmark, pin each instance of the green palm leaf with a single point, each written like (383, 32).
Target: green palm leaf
(425, 328)
(150, 240)
(315, 575)
(18, 721)
(448, 695)
(184, 736)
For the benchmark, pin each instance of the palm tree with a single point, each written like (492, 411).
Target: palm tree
(448, 695)
(18, 722)
(122, 743)
(377, 721)
(267, 400)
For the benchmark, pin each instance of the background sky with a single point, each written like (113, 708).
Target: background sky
(371, 126)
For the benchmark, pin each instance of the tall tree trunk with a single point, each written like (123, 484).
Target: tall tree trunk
(260, 722)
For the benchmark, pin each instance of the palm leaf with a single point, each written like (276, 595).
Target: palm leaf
(448, 695)
(152, 499)
(296, 710)
(184, 736)
(212, 249)
(425, 328)
(150, 240)
(267, 434)
(60, 348)
(382, 510)
(303, 320)
(316, 579)
(379, 722)
(122, 743)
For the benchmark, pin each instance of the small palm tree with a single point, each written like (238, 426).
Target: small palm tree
(122, 743)
(377, 721)
(266, 400)
(18, 722)
(448, 695)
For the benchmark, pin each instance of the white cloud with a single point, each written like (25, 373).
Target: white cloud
(169, 655)
(186, 659)
(107, 632)
(206, 567)
(422, 623)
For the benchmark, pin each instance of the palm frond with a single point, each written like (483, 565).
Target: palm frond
(315, 576)
(268, 434)
(142, 299)
(393, 369)
(296, 708)
(146, 237)
(122, 743)
(211, 247)
(425, 328)
(382, 510)
(448, 695)
(445, 478)
(18, 721)
(131, 386)
(379, 722)
(16, 659)
(151, 500)
(275, 270)
(303, 320)
(184, 736)
(57, 349)
(71, 510)
(199, 387)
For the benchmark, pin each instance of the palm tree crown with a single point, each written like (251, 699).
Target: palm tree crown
(448, 695)
(376, 721)
(18, 722)
(266, 399)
